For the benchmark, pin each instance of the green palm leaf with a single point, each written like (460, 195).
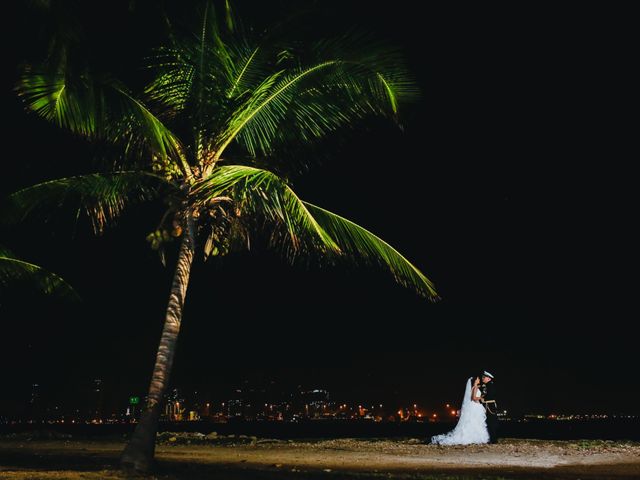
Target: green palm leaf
(192, 78)
(306, 103)
(245, 72)
(12, 269)
(103, 197)
(257, 191)
(259, 118)
(172, 85)
(357, 241)
(100, 109)
(55, 99)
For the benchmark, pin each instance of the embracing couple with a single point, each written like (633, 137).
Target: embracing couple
(478, 422)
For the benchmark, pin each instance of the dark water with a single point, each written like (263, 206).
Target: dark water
(612, 429)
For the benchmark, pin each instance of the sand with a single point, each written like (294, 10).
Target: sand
(339, 458)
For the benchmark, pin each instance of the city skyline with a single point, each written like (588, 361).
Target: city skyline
(246, 401)
(260, 403)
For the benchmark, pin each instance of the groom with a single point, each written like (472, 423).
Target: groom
(489, 401)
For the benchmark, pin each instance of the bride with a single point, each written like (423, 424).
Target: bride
(472, 424)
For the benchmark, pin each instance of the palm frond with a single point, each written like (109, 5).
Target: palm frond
(259, 118)
(306, 103)
(359, 242)
(102, 197)
(229, 16)
(172, 86)
(192, 77)
(259, 192)
(138, 127)
(54, 98)
(244, 72)
(199, 76)
(12, 270)
(100, 109)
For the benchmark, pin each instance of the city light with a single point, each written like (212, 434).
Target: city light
(250, 404)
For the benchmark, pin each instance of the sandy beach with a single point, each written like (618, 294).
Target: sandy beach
(340, 458)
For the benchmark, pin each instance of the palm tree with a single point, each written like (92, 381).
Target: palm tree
(207, 136)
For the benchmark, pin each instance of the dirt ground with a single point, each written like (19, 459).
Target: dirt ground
(327, 459)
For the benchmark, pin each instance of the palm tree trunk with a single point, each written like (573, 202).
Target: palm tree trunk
(139, 452)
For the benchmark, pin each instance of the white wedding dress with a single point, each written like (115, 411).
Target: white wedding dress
(472, 424)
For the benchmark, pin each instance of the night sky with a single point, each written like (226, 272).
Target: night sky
(508, 187)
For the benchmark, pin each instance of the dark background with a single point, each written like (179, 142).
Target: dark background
(509, 187)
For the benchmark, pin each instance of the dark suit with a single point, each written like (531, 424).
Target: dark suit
(489, 394)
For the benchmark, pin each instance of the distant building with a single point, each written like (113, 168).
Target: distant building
(35, 407)
(97, 399)
(235, 408)
(316, 403)
(174, 409)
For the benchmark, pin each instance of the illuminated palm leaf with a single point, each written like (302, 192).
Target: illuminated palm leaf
(53, 98)
(248, 69)
(306, 103)
(262, 193)
(12, 270)
(357, 241)
(103, 110)
(172, 86)
(102, 197)
(236, 90)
